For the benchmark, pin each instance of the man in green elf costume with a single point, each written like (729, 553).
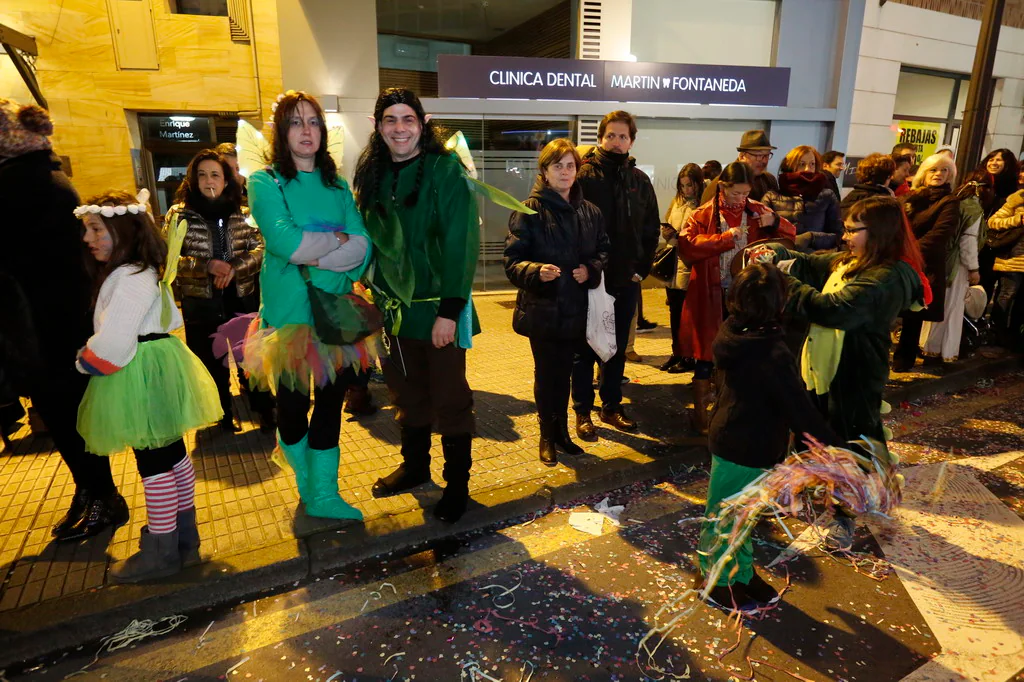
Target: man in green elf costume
(422, 218)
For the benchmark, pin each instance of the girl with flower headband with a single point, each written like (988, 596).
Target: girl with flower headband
(146, 388)
(314, 238)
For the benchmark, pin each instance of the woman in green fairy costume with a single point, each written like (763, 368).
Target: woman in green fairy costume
(422, 219)
(312, 229)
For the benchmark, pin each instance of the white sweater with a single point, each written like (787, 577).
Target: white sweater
(129, 306)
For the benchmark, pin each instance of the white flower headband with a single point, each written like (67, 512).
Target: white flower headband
(280, 98)
(110, 211)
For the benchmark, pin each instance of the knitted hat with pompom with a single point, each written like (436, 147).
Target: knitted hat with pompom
(23, 128)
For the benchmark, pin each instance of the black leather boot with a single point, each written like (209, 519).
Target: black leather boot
(546, 446)
(561, 436)
(458, 459)
(79, 503)
(100, 514)
(415, 467)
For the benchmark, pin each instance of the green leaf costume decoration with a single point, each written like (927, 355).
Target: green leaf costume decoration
(427, 252)
(175, 238)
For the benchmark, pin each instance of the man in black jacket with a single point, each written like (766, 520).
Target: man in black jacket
(833, 165)
(43, 252)
(610, 179)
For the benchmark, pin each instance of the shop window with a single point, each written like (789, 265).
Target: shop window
(929, 101)
(413, 33)
(920, 94)
(209, 8)
(696, 31)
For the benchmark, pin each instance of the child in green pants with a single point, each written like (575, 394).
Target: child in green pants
(761, 399)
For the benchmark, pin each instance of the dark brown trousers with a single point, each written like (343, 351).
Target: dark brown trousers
(432, 389)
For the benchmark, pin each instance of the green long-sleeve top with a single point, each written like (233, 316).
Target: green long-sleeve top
(438, 244)
(284, 213)
(865, 308)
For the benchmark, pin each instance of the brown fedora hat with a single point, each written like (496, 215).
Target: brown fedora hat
(754, 139)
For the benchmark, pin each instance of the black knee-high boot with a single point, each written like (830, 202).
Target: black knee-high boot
(415, 467)
(458, 459)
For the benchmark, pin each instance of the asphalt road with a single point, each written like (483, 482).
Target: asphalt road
(540, 600)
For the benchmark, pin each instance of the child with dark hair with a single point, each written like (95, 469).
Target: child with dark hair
(710, 239)
(146, 389)
(761, 400)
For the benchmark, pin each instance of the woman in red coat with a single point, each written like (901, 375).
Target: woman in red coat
(716, 232)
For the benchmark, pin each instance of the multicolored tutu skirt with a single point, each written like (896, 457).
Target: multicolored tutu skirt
(288, 356)
(164, 392)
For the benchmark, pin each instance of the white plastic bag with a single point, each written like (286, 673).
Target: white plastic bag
(601, 322)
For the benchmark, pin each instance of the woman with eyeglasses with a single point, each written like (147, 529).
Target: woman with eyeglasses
(806, 199)
(554, 257)
(934, 213)
(314, 236)
(851, 299)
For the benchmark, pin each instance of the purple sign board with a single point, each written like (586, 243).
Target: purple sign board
(599, 81)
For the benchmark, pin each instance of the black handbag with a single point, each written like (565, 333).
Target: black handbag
(666, 260)
(1001, 239)
(341, 319)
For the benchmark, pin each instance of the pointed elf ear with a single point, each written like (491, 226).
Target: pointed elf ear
(427, 117)
(143, 196)
(372, 120)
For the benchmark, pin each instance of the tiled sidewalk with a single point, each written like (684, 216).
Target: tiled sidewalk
(245, 502)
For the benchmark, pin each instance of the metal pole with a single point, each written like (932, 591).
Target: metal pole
(979, 95)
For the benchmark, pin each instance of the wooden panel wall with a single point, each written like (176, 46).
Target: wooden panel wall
(201, 70)
(1013, 14)
(548, 34)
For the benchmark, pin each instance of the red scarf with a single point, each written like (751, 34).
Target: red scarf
(807, 184)
(912, 256)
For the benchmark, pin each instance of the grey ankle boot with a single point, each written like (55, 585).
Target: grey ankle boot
(188, 538)
(157, 557)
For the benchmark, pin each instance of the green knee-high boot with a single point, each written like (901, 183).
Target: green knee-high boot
(324, 500)
(298, 459)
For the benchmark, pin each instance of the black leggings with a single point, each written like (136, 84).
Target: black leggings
(159, 460)
(675, 299)
(324, 426)
(57, 397)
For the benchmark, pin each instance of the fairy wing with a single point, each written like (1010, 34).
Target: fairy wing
(253, 149)
(175, 238)
(336, 143)
(457, 143)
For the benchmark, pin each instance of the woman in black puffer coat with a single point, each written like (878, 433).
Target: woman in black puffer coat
(554, 258)
(806, 199)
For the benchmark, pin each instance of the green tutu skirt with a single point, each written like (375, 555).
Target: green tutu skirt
(164, 392)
